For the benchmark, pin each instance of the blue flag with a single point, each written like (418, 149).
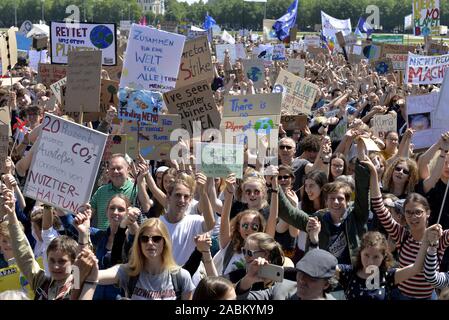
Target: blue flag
(209, 22)
(363, 27)
(283, 25)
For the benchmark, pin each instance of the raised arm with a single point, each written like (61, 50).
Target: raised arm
(290, 214)
(435, 175)
(426, 158)
(206, 207)
(274, 205)
(225, 228)
(142, 170)
(436, 279)
(203, 243)
(216, 203)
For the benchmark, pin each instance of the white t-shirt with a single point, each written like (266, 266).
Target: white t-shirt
(182, 236)
(40, 248)
(237, 261)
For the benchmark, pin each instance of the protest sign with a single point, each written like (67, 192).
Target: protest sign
(219, 160)
(50, 73)
(169, 26)
(252, 105)
(65, 164)
(350, 40)
(354, 58)
(125, 25)
(298, 94)
(152, 59)
(314, 52)
(4, 145)
(4, 55)
(340, 39)
(297, 67)
(371, 51)
(331, 26)
(442, 107)
(382, 66)
(382, 123)
(269, 34)
(438, 49)
(139, 105)
(426, 69)
(196, 62)
(5, 118)
(262, 125)
(255, 71)
(278, 52)
(115, 72)
(264, 52)
(399, 60)
(56, 88)
(152, 138)
(236, 51)
(226, 37)
(12, 46)
(8, 82)
(396, 49)
(421, 116)
(426, 17)
(11, 278)
(37, 57)
(116, 143)
(388, 38)
(67, 37)
(108, 94)
(295, 122)
(312, 41)
(83, 82)
(194, 102)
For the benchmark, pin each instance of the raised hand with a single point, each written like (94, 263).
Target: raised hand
(82, 218)
(433, 234)
(201, 181)
(313, 229)
(203, 242)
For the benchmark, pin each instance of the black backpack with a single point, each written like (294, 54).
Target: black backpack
(176, 280)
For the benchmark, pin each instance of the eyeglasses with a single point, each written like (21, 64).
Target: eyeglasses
(251, 253)
(249, 192)
(399, 169)
(416, 213)
(285, 147)
(154, 239)
(254, 226)
(284, 177)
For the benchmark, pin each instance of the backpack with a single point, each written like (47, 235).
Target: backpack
(176, 280)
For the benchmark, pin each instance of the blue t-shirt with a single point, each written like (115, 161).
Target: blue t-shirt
(355, 287)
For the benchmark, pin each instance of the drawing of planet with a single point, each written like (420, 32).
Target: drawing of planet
(101, 37)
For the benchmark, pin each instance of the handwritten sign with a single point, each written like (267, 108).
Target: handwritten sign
(278, 52)
(65, 38)
(139, 105)
(252, 105)
(396, 48)
(153, 138)
(56, 88)
(37, 57)
(255, 71)
(51, 73)
(196, 62)
(194, 102)
(219, 160)
(295, 122)
(298, 94)
(65, 164)
(4, 144)
(83, 81)
(383, 123)
(108, 94)
(399, 60)
(236, 51)
(152, 59)
(4, 55)
(382, 66)
(241, 127)
(269, 34)
(297, 67)
(426, 17)
(426, 69)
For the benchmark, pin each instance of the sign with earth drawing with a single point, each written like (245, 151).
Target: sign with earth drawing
(66, 37)
(254, 71)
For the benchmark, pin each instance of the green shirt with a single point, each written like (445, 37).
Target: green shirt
(102, 196)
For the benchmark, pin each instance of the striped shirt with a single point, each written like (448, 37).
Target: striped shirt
(438, 280)
(416, 286)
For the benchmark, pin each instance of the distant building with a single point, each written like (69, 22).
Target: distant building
(155, 6)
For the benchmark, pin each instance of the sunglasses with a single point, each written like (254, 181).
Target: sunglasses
(154, 239)
(284, 177)
(254, 226)
(285, 147)
(251, 253)
(398, 169)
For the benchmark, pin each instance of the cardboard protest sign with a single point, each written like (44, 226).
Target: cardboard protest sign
(56, 88)
(340, 39)
(426, 17)
(194, 102)
(219, 160)
(295, 122)
(426, 69)
(252, 105)
(8, 82)
(83, 81)
(65, 164)
(297, 67)
(152, 59)
(269, 34)
(67, 37)
(115, 72)
(116, 143)
(5, 118)
(108, 94)
(4, 55)
(382, 66)
(196, 62)
(12, 46)
(421, 116)
(438, 49)
(255, 71)
(169, 26)
(4, 146)
(298, 94)
(139, 105)
(154, 138)
(370, 145)
(51, 73)
(399, 60)
(382, 123)
(312, 41)
(278, 52)
(396, 48)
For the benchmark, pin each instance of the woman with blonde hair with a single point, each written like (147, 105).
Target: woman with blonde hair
(401, 177)
(152, 273)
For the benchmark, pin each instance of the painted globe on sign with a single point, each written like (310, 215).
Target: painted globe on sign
(101, 37)
(254, 74)
(264, 124)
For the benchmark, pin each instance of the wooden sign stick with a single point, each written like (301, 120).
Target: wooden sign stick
(81, 115)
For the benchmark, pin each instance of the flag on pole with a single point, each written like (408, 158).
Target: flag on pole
(226, 37)
(363, 27)
(209, 22)
(283, 25)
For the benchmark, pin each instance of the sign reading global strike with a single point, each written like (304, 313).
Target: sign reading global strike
(65, 164)
(152, 59)
(426, 69)
(65, 37)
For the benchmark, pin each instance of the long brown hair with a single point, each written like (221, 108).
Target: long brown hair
(412, 178)
(377, 240)
(237, 241)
